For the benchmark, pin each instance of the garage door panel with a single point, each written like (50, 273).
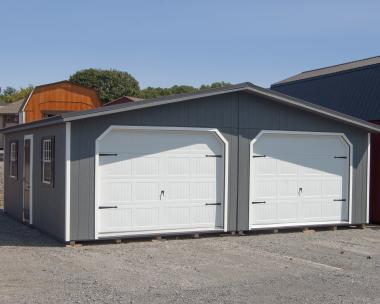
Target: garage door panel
(311, 187)
(178, 166)
(336, 211)
(265, 213)
(164, 179)
(116, 192)
(305, 175)
(202, 167)
(333, 188)
(177, 191)
(115, 166)
(115, 219)
(145, 218)
(265, 188)
(287, 188)
(287, 211)
(266, 166)
(286, 168)
(310, 210)
(145, 166)
(203, 191)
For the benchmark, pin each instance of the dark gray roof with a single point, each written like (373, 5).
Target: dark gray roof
(354, 91)
(11, 108)
(242, 87)
(331, 70)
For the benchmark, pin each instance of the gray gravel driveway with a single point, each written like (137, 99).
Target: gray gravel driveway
(316, 267)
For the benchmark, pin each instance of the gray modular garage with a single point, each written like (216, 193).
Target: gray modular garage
(230, 159)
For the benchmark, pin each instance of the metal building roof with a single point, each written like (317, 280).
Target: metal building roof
(242, 87)
(362, 63)
(11, 108)
(352, 88)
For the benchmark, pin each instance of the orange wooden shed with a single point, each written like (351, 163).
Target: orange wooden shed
(56, 98)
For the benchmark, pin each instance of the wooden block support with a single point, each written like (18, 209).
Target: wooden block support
(275, 230)
(72, 243)
(118, 241)
(308, 230)
(233, 232)
(241, 233)
(159, 238)
(334, 228)
(361, 226)
(196, 235)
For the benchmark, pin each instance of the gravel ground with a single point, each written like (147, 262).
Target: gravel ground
(316, 267)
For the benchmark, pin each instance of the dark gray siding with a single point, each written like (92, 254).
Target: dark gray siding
(48, 202)
(354, 92)
(239, 116)
(216, 112)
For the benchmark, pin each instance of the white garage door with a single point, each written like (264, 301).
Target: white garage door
(152, 180)
(298, 179)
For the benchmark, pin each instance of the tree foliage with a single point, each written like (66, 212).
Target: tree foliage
(151, 92)
(113, 84)
(10, 94)
(110, 84)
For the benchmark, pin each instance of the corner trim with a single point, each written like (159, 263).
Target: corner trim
(368, 175)
(28, 136)
(67, 180)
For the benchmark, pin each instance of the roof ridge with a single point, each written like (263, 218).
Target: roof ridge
(340, 64)
(330, 70)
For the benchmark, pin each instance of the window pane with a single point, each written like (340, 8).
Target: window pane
(47, 172)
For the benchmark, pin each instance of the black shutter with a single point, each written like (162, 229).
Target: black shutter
(41, 160)
(52, 161)
(17, 160)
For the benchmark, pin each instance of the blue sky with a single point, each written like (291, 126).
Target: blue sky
(167, 42)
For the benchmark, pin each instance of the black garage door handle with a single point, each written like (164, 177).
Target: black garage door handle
(107, 207)
(259, 202)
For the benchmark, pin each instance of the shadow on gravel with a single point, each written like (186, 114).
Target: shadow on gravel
(374, 227)
(13, 233)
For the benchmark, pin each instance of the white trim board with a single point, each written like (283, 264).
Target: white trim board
(22, 110)
(30, 137)
(67, 181)
(158, 232)
(154, 128)
(368, 176)
(344, 138)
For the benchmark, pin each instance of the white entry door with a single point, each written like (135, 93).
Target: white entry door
(156, 180)
(299, 179)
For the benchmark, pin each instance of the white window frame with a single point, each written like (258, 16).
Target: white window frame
(13, 158)
(47, 160)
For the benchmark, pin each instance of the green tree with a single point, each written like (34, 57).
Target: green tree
(11, 94)
(151, 92)
(110, 84)
(214, 85)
